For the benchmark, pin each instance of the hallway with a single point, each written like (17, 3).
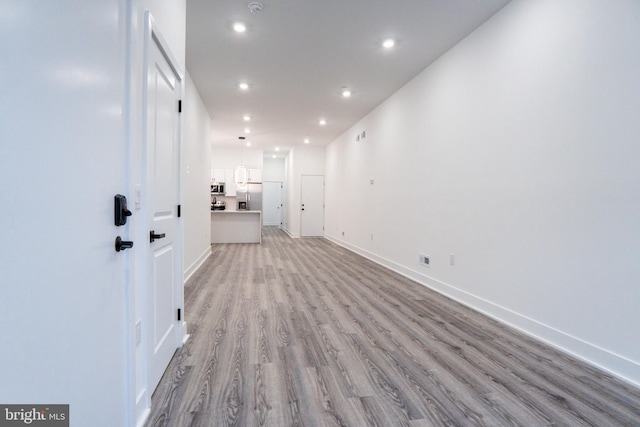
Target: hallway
(304, 332)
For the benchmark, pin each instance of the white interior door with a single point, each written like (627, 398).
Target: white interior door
(164, 255)
(312, 206)
(272, 203)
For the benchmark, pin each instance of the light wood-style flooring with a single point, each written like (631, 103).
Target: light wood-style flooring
(301, 332)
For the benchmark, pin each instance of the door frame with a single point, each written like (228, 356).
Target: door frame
(141, 392)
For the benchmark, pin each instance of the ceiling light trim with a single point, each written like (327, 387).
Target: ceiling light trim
(256, 7)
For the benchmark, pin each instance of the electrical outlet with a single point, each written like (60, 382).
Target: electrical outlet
(452, 259)
(424, 260)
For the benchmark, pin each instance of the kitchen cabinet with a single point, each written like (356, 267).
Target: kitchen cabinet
(218, 175)
(230, 185)
(236, 226)
(226, 176)
(254, 175)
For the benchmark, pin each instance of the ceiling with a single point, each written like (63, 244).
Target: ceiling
(298, 55)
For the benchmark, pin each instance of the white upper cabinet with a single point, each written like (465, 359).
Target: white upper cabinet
(219, 175)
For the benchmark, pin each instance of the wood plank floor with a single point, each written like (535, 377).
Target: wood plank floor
(301, 332)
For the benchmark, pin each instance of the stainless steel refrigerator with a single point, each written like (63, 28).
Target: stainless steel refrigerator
(252, 195)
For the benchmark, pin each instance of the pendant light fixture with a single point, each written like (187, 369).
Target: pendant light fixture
(240, 174)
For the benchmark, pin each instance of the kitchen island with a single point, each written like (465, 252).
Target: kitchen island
(229, 226)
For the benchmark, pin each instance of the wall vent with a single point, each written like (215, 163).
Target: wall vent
(425, 260)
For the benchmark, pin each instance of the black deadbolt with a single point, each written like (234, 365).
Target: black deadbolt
(120, 211)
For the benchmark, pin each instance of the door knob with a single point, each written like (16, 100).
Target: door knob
(153, 236)
(123, 244)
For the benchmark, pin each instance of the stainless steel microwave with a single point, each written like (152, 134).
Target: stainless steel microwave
(217, 188)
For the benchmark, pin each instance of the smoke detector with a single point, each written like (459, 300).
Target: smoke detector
(255, 7)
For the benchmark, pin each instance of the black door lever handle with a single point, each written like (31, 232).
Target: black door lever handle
(123, 244)
(153, 236)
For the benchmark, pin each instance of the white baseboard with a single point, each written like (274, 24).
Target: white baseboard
(196, 265)
(617, 365)
(291, 234)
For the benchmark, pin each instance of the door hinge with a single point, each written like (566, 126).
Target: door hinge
(179, 314)
(179, 210)
(180, 106)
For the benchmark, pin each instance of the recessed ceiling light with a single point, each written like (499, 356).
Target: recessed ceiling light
(388, 43)
(322, 122)
(306, 140)
(274, 156)
(247, 130)
(346, 93)
(246, 118)
(248, 144)
(243, 86)
(277, 148)
(239, 27)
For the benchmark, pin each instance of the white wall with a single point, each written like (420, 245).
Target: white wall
(302, 160)
(230, 158)
(518, 152)
(196, 171)
(273, 169)
(286, 196)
